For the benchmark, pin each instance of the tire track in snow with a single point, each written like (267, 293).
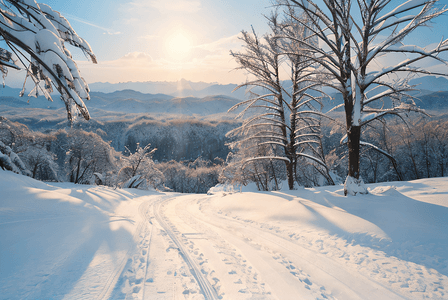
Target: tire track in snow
(319, 266)
(117, 273)
(148, 220)
(261, 262)
(232, 274)
(207, 289)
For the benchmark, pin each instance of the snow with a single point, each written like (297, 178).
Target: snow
(60, 240)
(354, 186)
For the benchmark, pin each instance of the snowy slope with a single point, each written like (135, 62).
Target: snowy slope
(60, 240)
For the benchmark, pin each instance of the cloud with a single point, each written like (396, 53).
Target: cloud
(223, 44)
(185, 6)
(137, 57)
(106, 30)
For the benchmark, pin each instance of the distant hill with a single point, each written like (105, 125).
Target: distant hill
(129, 101)
(181, 88)
(430, 83)
(193, 98)
(433, 101)
(10, 97)
(185, 88)
(12, 102)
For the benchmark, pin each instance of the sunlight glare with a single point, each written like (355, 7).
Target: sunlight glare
(178, 45)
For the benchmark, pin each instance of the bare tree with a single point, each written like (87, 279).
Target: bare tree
(284, 124)
(350, 49)
(36, 34)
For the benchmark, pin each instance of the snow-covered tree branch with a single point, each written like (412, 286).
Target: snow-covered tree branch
(36, 34)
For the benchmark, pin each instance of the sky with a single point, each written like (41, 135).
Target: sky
(162, 40)
(166, 40)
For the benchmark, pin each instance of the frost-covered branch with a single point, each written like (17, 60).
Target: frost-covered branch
(36, 35)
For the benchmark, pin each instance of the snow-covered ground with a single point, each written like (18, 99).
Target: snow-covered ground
(65, 241)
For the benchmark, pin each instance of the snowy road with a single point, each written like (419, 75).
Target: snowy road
(245, 262)
(65, 241)
(229, 258)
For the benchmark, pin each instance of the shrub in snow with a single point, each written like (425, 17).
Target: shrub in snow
(136, 182)
(354, 186)
(97, 179)
(139, 164)
(108, 178)
(40, 162)
(11, 161)
(224, 188)
(6, 163)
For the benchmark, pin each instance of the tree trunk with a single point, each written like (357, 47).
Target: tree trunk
(353, 140)
(290, 173)
(78, 170)
(35, 170)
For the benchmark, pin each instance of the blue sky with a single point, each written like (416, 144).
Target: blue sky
(165, 40)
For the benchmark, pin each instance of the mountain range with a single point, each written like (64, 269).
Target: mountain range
(128, 101)
(185, 88)
(181, 88)
(191, 98)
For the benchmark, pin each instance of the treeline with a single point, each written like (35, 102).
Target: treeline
(176, 137)
(418, 149)
(417, 146)
(75, 155)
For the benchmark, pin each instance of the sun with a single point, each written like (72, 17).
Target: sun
(178, 45)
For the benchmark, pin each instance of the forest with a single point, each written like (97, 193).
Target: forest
(193, 156)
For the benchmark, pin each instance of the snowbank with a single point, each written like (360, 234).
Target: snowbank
(61, 237)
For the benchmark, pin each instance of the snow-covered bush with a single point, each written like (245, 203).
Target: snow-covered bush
(10, 161)
(12, 134)
(135, 182)
(41, 163)
(85, 153)
(190, 177)
(5, 161)
(139, 170)
(354, 186)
